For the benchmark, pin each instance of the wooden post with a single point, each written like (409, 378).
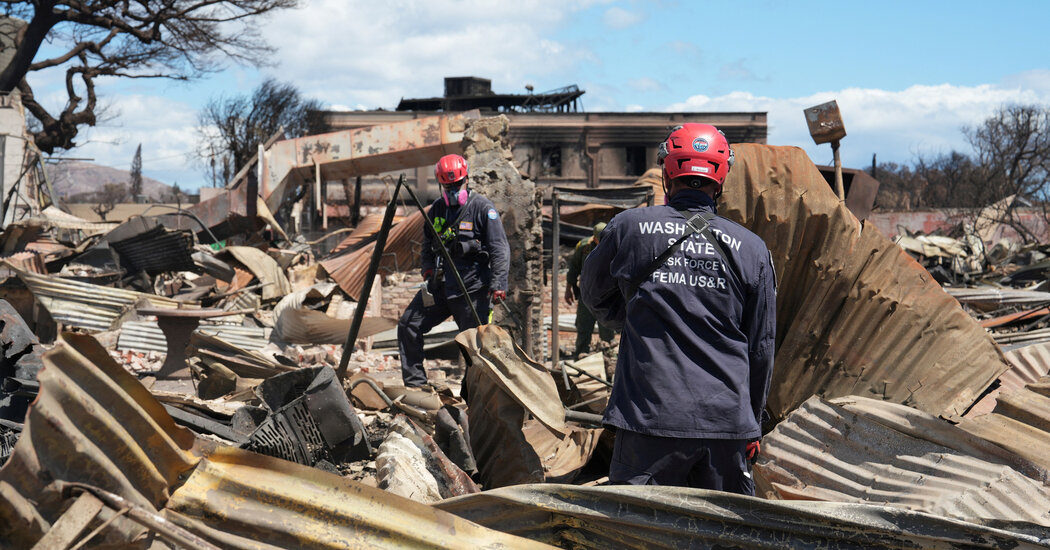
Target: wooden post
(839, 190)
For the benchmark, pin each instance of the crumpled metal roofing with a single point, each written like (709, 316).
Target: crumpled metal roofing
(987, 297)
(401, 253)
(854, 449)
(1020, 422)
(266, 269)
(147, 336)
(87, 306)
(1027, 365)
(569, 516)
(855, 314)
(127, 444)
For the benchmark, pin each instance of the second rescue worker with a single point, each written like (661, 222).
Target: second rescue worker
(695, 294)
(472, 232)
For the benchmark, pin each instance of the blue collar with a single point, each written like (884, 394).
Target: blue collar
(692, 199)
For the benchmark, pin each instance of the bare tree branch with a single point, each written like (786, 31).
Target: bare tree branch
(176, 39)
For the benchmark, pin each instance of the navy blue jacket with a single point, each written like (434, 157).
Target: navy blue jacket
(477, 242)
(696, 351)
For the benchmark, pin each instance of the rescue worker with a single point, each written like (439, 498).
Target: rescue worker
(696, 349)
(584, 318)
(471, 230)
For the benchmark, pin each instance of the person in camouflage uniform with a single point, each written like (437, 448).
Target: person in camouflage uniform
(585, 320)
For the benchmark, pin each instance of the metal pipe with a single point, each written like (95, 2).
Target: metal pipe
(184, 212)
(583, 418)
(373, 268)
(148, 519)
(587, 402)
(370, 382)
(555, 256)
(583, 372)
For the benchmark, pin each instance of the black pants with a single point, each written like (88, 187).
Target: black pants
(717, 464)
(418, 319)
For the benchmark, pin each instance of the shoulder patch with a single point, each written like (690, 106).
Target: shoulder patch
(493, 214)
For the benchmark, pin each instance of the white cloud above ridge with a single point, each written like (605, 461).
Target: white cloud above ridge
(165, 128)
(895, 125)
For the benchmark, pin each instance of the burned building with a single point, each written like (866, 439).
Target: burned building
(554, 142)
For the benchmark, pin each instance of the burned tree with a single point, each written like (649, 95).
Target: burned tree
(178, 39)
(234, 127)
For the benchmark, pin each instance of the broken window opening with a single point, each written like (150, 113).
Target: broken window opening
(634, 162)
(550, 160)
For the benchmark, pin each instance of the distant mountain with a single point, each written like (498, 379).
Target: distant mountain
(71, 179)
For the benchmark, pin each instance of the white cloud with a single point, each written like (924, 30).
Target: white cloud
(165, 128)
(634, 108)
(619, 18)
(896, 125)
(376, 53)
(646, 84)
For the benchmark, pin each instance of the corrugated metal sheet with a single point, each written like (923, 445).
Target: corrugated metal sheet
(27, 261)
(861, 450)
(158, 250)
(368, 226)
(401, 253)
(87, 306)
(1027, 365)
(1020, 422)
(855, 314)
(147, 336)
(127, 444)
(674, 517)
(991, 298)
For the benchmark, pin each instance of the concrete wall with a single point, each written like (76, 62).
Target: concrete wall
(893, 223)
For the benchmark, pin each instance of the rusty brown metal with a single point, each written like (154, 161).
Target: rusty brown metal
(855, 314)
(370, 150)
(126, 444)
(825, 122)
(401, 253)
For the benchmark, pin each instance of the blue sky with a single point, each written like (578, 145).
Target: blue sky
(907, 75)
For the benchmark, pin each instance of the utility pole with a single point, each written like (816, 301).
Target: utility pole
(825, 126)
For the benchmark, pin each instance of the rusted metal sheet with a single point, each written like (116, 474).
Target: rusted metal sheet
(825, 122)
(853, 449)
(1028, 364)
(27, 261)
(855, 314)
(147, 336)
(503, 386)
(568, 516)
(128, 445)
(401, 253)
(369, 150)
(266, 269)
(296, 324)
(87, 306)
(1020, 422)
(368, 226)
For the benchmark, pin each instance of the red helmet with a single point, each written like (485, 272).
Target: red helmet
(450, 169)
(696, 150)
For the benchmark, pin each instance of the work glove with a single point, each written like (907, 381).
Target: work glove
(754, 448)
(499, 295)
(427, 274)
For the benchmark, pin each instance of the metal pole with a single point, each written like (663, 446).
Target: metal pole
(838, 171)
(555, 255)
(366, 290)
